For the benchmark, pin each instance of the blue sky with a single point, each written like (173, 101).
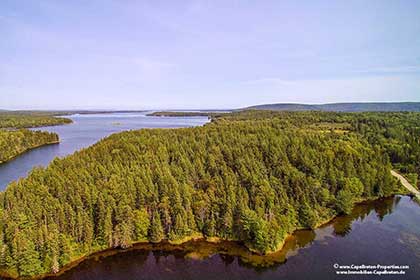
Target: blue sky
(126, 54)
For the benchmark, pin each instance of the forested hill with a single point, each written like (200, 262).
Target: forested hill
(251, 176)
(343, 107)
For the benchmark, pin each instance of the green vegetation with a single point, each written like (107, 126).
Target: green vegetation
(26, 119)
(249, 176)
(15, 142)
(398, 133)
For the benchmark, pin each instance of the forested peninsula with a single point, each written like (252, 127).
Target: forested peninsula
(15, 139)
(251, 176)
(16, 142)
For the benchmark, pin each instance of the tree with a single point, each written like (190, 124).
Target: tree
(354, 185)
(29, 263)
(344, 202)
(307, 216)
(141, 224)
(156, 230)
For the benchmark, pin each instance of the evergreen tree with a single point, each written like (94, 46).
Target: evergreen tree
(156, 230)
(344, 202)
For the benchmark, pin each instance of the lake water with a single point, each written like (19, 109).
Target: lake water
(385, 232)
(83, 132)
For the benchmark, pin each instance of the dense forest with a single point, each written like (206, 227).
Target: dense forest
(15, 142)
(398, 133)
(26, 119)
(249, 176)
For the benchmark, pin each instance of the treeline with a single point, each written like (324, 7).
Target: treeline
(244, 177)
(26, 119)
(15, 142)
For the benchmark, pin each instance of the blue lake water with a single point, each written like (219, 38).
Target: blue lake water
(86, 130)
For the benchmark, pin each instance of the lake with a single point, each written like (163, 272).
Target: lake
(385, 232)
(86, 130)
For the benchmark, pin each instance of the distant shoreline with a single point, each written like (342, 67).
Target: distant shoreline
(203, 113)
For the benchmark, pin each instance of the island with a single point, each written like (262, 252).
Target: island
(251, 176)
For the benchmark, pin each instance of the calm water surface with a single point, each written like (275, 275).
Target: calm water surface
(385, 232)
(83, 132)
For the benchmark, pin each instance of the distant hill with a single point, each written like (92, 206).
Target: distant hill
(342, 107)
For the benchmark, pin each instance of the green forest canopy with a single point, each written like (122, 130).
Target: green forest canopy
(398, 133)
(249, 176)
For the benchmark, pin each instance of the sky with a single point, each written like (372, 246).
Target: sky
(126, 54)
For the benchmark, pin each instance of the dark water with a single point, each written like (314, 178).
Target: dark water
(85, 131)
(384, 232)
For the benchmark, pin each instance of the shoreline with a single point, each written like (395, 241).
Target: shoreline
(182, 244)
(29, 149)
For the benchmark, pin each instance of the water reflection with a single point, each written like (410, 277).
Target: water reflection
(306, 251)
(342, 225)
